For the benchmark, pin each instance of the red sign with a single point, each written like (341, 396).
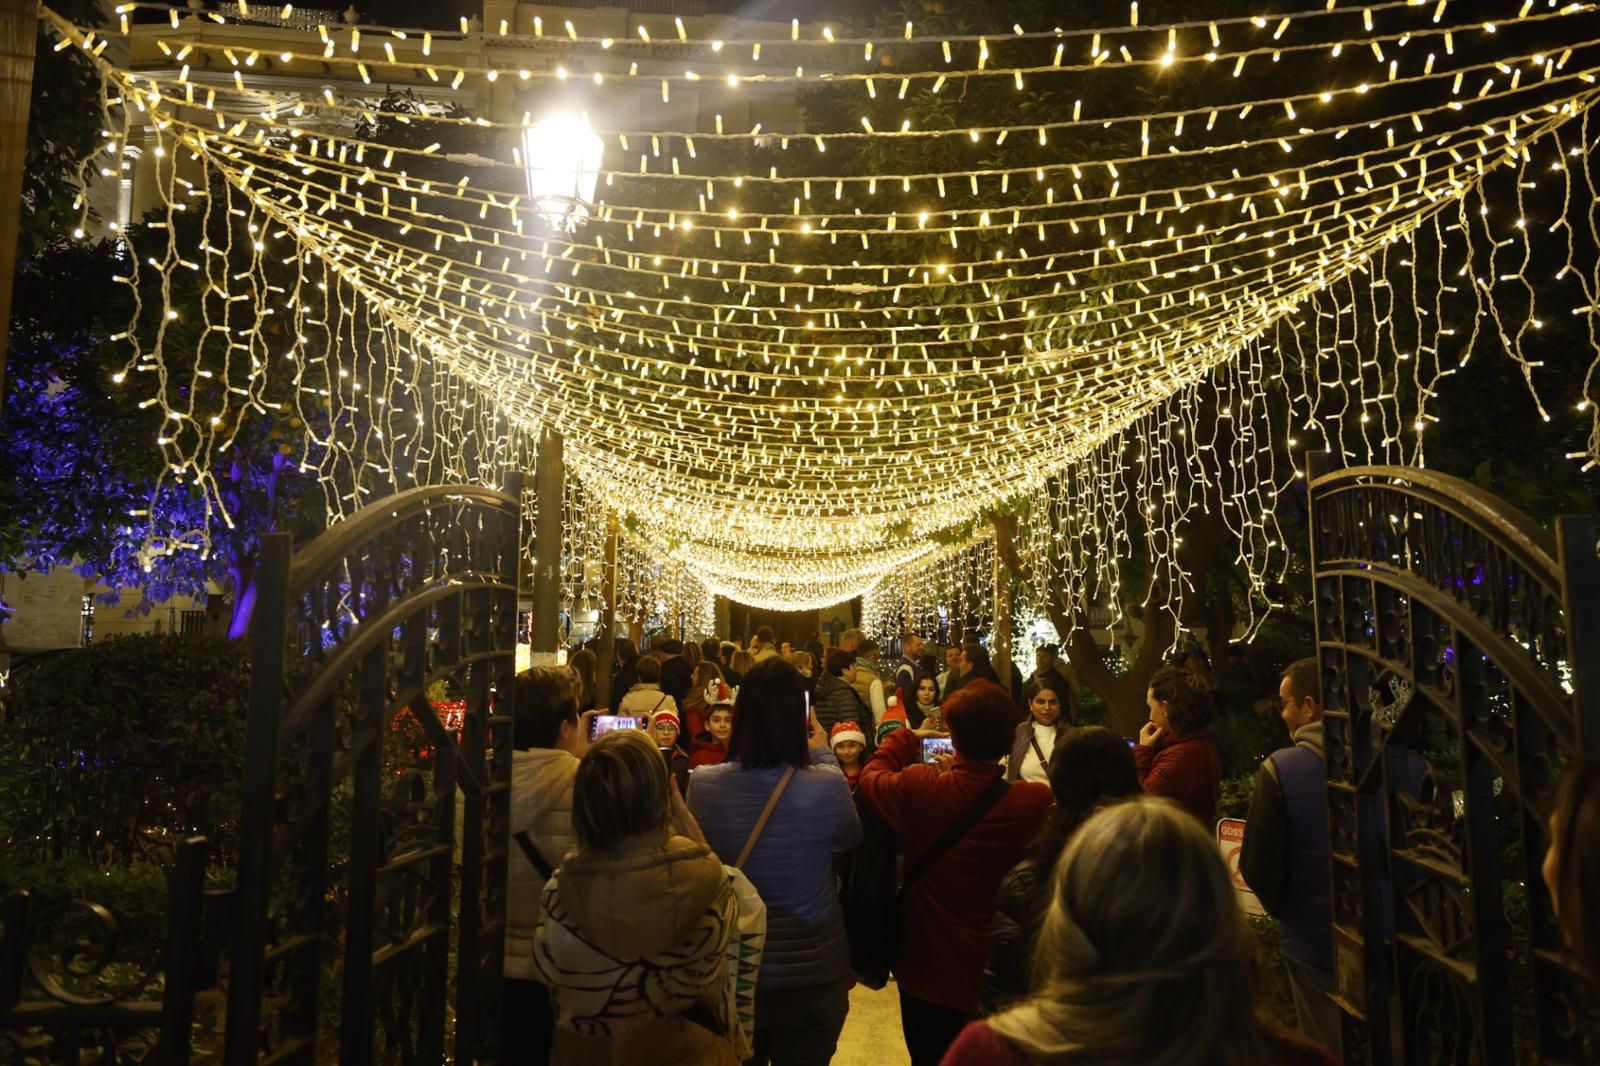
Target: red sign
(1230, 838)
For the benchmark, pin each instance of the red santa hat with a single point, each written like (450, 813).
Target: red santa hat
(893, 718)
(843, 731)
(666, 715)
(718, 694)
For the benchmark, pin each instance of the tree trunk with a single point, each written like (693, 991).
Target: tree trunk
(1124, 696)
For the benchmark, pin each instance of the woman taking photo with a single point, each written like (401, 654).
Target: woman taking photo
(1130, 968)
(1175, 754)
(778, 809)
(1089, 768)
(924, 710)
(1038, 734)
(637, 920)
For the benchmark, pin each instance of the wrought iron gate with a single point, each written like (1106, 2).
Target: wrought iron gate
(1460, 653)
(350, 861)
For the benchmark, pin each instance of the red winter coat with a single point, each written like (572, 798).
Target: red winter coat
(1184, 769)
(946, 917)
(706, 753)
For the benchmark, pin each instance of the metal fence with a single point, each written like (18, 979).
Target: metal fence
(370, 876)
(1458, 646)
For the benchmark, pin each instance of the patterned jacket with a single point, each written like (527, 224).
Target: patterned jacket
(633, 945)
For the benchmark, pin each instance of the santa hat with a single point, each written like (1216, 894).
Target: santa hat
(893, 718)
(718, 694)
(671, 716)
(843, 731)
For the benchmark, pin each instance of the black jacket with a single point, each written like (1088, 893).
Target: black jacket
(1018, 911)
(624, 679)
(677, 676)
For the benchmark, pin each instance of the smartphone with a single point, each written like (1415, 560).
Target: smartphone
(933, 747)
(808, 710)
(1131, 742)
(601, 724)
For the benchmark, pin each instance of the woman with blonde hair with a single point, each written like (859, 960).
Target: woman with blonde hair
(1144, 957)
(636, 922)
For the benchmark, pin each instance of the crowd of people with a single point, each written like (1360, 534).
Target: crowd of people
(777, 824)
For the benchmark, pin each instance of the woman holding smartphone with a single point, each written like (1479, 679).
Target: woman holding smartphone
(778, 809)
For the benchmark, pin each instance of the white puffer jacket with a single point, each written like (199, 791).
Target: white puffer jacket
(541, 806)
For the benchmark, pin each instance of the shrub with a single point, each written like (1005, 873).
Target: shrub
(113, 751)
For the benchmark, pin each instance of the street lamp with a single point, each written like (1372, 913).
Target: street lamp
(561, 155)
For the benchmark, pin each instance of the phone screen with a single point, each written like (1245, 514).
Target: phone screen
(1131, 741)
(808, 710)
(601, 724)
(933, 747)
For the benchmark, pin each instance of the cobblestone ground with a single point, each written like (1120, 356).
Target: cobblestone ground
(871, 1034)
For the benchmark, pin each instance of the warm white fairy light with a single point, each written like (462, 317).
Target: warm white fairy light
(794, 385)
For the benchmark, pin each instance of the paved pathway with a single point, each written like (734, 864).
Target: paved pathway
(871, 1034)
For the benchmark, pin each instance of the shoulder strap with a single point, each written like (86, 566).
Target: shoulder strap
(766, 812)
(659, 702)
(953, 835)
(531, 853)
(1043, 758)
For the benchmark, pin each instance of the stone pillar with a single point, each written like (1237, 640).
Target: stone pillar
(19, 27)
(548, 481)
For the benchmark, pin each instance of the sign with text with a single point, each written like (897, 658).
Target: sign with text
(1230, 838)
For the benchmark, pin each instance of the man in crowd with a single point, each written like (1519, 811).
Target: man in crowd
(551, 737)
(764, 646)
(866, 670)
(950, 680)
(908, 671)
(1284, 858)
(1047, 668)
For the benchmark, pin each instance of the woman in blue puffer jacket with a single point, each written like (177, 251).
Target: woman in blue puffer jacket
(802, 991)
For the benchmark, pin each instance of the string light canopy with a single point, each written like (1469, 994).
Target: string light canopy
(797, 361)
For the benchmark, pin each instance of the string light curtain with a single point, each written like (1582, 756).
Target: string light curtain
(799, 361)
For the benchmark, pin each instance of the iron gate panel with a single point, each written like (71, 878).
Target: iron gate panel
(353, 854)
(1452, 634)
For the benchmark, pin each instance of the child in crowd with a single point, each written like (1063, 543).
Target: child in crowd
(849, 744)
(664, 730)
(711, 745)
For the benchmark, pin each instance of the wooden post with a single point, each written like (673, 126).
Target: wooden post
(551, 497)
(1001, 656)
(608, 616)
(19, 27)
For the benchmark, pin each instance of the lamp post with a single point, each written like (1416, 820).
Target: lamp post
(561, 156)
